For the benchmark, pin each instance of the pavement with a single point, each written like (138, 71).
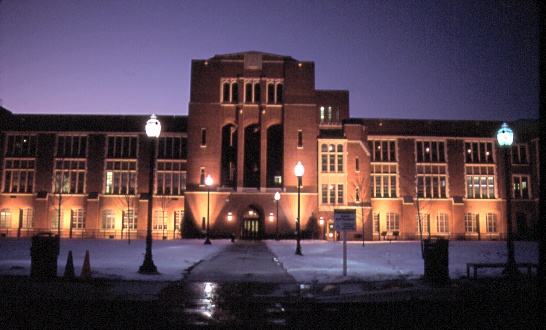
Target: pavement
(243, 261)
(245, 284)
(250, 267)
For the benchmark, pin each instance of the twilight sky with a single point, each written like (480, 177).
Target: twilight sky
(399, 59)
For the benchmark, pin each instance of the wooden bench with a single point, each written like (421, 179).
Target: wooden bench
(527, 265)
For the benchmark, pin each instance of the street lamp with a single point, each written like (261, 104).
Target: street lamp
(298, 170)
(505, 137)
(208, 183)
(277, 198)
(153, 129)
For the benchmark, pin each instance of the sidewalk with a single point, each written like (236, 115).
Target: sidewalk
(243, 261)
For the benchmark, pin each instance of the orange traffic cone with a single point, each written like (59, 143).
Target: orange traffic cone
(69, 269)
(86, 269)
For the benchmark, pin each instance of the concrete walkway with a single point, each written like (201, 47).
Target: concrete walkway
(242, 261)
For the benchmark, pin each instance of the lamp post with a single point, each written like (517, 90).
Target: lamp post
(298, 170)
(208, 183)
(277, 198)
(505, 137)
(153, 129)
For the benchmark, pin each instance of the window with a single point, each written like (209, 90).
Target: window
(332, 194)
(230, 91)
(275, 92)
(78, 219)
(431, 181)
(21, 146)
(172, 147)
(430, 151)
(425, 219)
(69, 146)
(480, 181)
(442, 223)
(324, 194)
(375, 223)
(357, 194)
(491, 223)
(19, 163)
(383, 180)
(471, 223)
(130, 219)
(159, 220)
(203, 137)
(5, 218)
(122, 147)
(331, 160)
(27, 217)
(178, 218)
(519, 153)
(171, 179)
(120, 177)
(521, 186)
(19, 175)
(340, 194)
(300, 139)
(202, 176)
(69, 176)
(322, 115)
(393, 222)
(55, 219)
(252, 92)
(479, 152)
(108, 219)
(383, 150)
(357, 165)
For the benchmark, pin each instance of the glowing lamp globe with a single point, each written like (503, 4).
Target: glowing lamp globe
(505, 136)
(299, 170)
(277, 196)
(208, 180)
(153, 127)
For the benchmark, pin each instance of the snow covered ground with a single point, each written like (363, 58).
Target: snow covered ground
(321, 262)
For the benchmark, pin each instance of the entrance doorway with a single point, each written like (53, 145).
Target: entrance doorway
(251, 225)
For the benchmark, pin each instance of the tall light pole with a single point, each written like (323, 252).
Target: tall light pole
(505, 137)
(153, 129)
(277, 198)
(298, 170)
(208, 183)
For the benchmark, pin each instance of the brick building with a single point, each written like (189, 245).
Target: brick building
(251, 117)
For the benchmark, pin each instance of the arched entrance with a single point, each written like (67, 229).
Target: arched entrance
(251, 227)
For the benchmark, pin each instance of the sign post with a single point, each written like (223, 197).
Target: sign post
(344, 220)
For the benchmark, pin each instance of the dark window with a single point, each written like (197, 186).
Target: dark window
(279, 93)
(357, 165)
(235, 93)
(203, 137)
(248, 92)
(300, 139)
(257, 93)
(226, 92)
(270, 93)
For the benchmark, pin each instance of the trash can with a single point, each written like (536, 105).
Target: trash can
(44, 252)
(436, 255)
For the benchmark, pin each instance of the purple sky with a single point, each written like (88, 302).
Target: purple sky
(398, 59)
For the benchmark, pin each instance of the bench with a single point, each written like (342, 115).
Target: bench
(527, 265)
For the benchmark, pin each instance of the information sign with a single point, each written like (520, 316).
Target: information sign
(344, 220)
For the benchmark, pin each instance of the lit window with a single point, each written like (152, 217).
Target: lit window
(393, 222)
(491, 223)
(5, 218)
(78, 219)
(471, 223)
(442, 223)
(108, 219)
